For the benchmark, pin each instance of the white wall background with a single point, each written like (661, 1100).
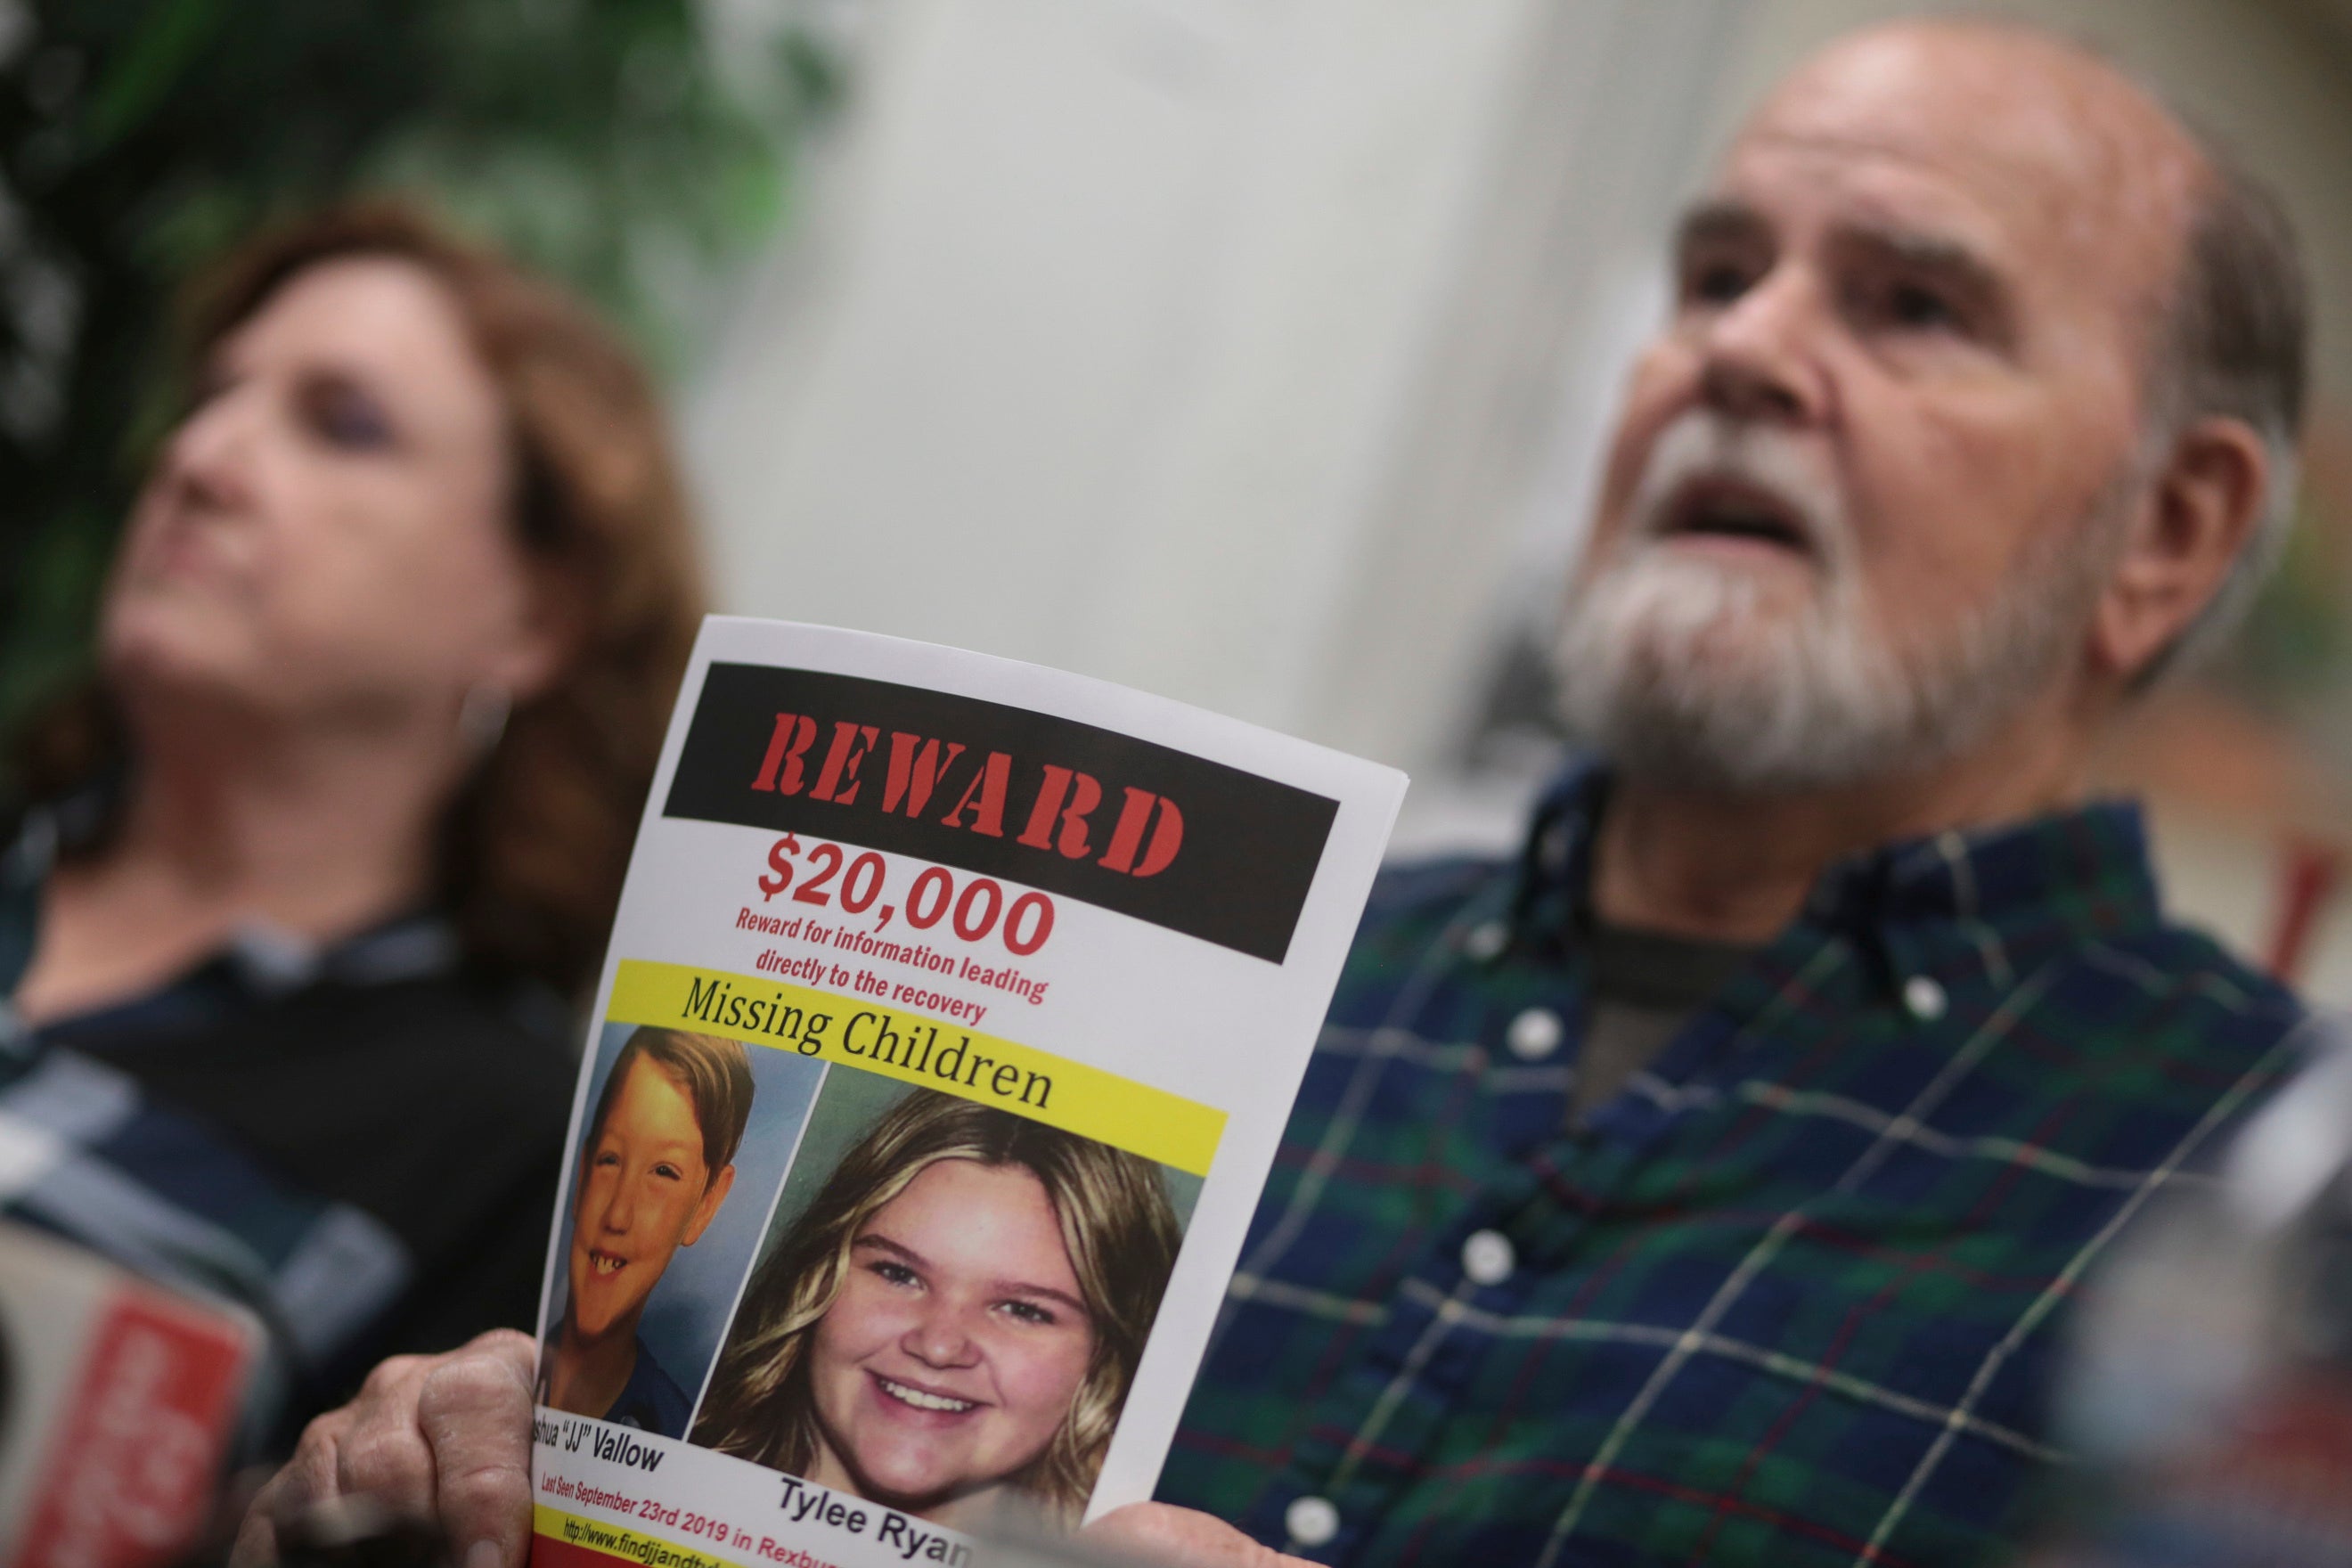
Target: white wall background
(1206, 345)
(1256, 352)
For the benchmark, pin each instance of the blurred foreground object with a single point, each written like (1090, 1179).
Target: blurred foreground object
(117, 1411)
(2212, 1394)
(634, 148)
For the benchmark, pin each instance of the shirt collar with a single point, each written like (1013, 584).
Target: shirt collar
(2079, 872)
(261, 961)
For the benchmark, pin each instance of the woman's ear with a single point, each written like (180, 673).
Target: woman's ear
(2199, 517)
(550, 626)
(721, 1183)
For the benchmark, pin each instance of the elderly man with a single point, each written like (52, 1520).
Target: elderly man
(1704, 1185)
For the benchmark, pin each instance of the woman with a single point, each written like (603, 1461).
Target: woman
(300, 882)
(955, 1320)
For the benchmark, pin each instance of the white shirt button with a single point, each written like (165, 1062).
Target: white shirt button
(1534, 1034)
(1488, 1258)
(1311, 1521)
(1486, 941)
(1925, 998)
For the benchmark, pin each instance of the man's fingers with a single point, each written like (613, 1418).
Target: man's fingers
(389, 1462)
(257, 1538)
(1183, 1539)
(514, 1347)
(313, 1473)
(473, 1412)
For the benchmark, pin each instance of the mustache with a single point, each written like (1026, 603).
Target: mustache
(1705, 466)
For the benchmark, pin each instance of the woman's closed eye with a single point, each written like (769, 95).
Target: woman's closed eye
(345, 415)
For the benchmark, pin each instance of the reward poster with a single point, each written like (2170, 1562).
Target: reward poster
(953, 1010)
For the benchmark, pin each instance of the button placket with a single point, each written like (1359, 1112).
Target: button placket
(1333, 1481)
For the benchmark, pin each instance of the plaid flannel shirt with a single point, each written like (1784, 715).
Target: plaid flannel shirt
(1790, 1296)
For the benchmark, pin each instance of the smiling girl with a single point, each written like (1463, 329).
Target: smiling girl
(956, 1319)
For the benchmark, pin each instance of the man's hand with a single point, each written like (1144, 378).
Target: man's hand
(443, 1439)
(446, 1439)
(1181, 1539)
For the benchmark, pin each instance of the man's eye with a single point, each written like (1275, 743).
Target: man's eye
(1716, 283)
(1919, 308)
(668, 1171)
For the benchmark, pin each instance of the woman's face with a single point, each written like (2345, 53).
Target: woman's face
(328, 529)
(958, 1342)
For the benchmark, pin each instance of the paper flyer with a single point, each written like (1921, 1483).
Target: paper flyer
(953, 1010)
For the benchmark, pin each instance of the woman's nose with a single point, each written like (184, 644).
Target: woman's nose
(941, 1336)
(211, 454)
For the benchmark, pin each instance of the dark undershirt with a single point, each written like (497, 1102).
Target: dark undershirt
(423, 1101)
(375, 1072)
(1645, 987)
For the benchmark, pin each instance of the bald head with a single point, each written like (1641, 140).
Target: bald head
(2104, 179)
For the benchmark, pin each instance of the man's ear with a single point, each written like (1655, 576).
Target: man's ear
(708, 1209)
(2201, 513)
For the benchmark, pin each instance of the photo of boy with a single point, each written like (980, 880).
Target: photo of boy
(656, 1161)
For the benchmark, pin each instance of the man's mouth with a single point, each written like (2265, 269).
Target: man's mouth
(924, 1398)
(1737, 510)
(604, 1265)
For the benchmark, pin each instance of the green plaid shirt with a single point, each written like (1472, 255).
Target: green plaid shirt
(1790, 1296)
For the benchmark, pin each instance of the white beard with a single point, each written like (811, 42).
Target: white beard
(1678, 667)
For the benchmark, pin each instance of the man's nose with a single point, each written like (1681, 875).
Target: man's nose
(941, 1335)
(1759, 352)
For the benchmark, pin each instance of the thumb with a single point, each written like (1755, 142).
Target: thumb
(474, 1410)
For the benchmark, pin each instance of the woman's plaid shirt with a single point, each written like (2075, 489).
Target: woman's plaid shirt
(1792, 1296)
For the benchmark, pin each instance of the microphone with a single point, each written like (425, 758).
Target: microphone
(119, 1409)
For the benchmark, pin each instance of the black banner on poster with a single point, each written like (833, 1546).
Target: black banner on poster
(1187, 844)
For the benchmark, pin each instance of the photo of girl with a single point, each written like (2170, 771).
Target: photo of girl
(657, 1160)
(953, 1322)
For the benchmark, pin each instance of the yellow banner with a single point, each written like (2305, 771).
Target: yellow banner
(619, 1540)
(858, 1032)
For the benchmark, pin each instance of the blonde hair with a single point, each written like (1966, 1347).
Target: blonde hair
(1116, 1222)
